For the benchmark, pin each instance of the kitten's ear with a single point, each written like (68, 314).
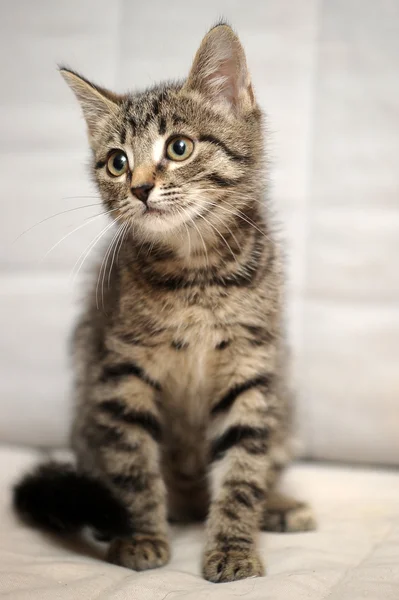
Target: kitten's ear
(220, 71)
(96, 102)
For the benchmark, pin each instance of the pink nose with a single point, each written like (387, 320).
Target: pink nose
(142, 191)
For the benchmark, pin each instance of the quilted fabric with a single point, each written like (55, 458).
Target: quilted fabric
(353, 555)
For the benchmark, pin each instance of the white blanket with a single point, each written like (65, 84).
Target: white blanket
(354, 555)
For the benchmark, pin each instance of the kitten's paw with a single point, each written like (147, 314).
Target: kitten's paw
(289, 519)
(140, 553)
(230, 565)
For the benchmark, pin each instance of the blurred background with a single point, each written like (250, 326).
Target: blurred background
(327, 74)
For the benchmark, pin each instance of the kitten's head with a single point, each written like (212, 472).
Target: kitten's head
(183, 155)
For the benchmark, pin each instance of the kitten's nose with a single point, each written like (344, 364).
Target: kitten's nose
(142, 191)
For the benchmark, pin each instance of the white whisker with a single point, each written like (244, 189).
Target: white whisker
(238, 213)
(121, 230)
(71, 232)
(81, 198)
(63, 212)
(220, 234)
(83, 256)
(219, 218)
(128, 225)
(103, 266)
(188, 236)
(199, 233)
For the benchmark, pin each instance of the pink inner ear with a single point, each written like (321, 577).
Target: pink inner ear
(220, 71)
(222, 82)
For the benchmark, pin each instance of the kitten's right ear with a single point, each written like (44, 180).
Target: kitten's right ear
(96, 102)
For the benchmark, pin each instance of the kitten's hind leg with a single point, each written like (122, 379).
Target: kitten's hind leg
(285, 514)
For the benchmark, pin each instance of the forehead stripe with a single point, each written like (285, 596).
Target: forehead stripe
(176, 119)
(133, 125)
(155, 106)
(230, 153)
(222, 181)
(162, 126)
(123, 135)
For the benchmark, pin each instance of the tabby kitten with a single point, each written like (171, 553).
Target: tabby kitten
(183, 408)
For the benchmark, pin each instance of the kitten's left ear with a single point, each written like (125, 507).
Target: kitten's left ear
(96, 102)
(220, 70)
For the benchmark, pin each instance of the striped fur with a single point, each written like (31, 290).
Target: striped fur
(182, 401)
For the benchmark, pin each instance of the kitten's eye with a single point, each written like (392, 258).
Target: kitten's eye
(180, 148)
(117, 163)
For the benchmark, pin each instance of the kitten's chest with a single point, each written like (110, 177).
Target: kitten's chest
(183, 348)
(189, 381)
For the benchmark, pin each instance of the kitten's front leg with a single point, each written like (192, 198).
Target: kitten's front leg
(240, 446)
(125, 433)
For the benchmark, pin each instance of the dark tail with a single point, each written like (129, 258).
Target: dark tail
(58, 499)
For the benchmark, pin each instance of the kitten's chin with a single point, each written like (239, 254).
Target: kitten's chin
(159, 221)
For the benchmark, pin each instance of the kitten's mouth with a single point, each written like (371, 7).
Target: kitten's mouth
(152, 210)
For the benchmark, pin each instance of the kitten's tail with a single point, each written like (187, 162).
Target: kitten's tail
(58, 499)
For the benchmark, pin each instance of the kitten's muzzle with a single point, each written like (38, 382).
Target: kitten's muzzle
(142, 191)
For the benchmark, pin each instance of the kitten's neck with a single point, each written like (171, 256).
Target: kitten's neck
(201, 255)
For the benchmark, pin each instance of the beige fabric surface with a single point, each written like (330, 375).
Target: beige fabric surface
(353, 556)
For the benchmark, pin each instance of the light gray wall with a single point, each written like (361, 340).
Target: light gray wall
(326, 72)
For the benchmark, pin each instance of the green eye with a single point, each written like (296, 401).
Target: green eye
(179, 148)
(117, 163)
